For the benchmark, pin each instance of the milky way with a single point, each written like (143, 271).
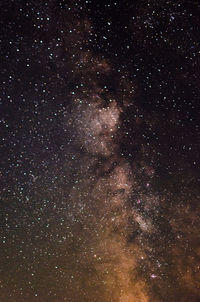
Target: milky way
(100, 188)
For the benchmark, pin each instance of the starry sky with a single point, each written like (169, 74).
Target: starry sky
(99, 151)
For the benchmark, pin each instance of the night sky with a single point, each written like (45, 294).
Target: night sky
(99, 151)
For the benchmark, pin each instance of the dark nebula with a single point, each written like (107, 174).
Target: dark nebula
(99, 150)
